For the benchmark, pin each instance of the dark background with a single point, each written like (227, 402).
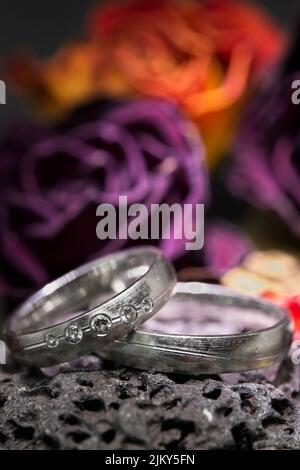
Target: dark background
(43, 25)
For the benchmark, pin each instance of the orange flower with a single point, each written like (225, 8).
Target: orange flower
(73, 75)
(205, 56)
(270, 274)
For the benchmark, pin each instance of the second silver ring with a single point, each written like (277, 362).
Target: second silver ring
(263, 338)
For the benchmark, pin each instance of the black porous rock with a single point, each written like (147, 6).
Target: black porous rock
(98, 405)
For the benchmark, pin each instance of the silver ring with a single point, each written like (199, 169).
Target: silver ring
(210, 354)
(58, 324)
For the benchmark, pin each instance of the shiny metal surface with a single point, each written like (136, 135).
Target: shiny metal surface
(58, 324)
(211, 354)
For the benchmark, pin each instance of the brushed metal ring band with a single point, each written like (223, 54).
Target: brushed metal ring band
(175, 353)
(58, 324)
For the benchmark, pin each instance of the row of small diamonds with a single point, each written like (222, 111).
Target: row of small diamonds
(100, 324)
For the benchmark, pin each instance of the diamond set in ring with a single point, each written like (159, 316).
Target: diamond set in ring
(147, 305)
(51, 340)
(100, 324)
(129, 314)
(73, 334)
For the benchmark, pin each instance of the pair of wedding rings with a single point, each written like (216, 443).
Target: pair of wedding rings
(99, 307)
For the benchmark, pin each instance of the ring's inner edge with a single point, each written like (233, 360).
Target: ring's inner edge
(80, 290)
(212, 313)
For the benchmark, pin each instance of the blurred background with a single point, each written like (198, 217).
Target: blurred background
(44, 26)
(206, 103)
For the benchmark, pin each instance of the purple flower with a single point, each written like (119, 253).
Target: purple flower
(53, 179)
(225, 246)
(266, 169)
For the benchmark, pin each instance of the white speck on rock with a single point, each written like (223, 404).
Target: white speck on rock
(208, 414)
